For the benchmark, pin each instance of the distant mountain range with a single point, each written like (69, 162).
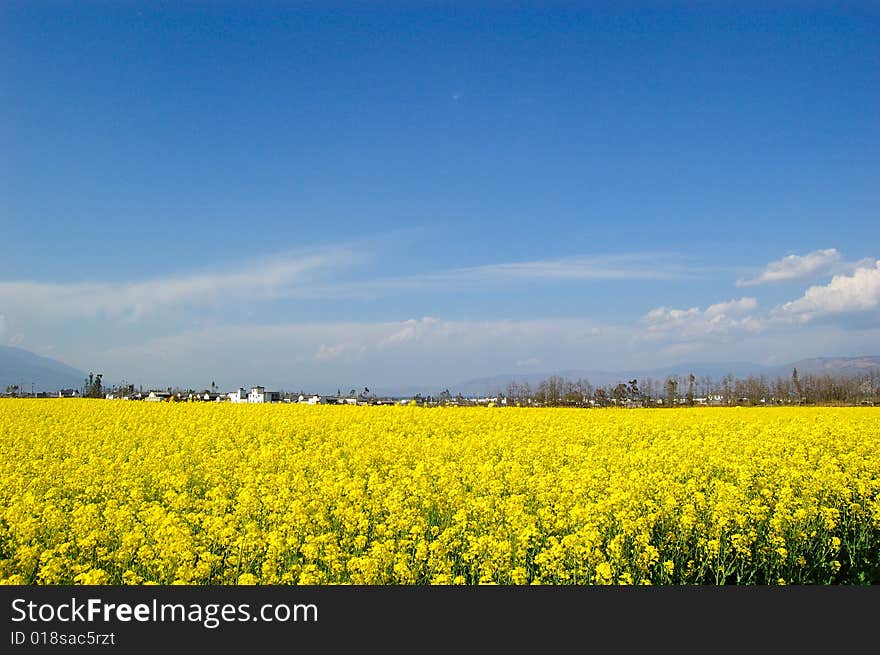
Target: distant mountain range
(833, 365)
(24, 368)
(836, 365)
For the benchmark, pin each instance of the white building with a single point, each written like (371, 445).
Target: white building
(238, 396)
(260, 395)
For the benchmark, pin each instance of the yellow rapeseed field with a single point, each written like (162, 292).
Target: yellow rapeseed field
(103, 492)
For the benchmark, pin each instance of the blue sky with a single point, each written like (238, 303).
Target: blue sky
(321, 194)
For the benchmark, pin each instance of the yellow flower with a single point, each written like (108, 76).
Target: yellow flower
(101, 492)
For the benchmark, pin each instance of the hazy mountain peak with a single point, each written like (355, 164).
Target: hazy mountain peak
(24, 368)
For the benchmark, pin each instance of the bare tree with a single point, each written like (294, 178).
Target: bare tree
(671, 391)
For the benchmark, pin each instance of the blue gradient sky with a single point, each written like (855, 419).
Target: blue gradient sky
(410, 191)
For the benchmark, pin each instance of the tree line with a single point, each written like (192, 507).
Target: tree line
(796, 389)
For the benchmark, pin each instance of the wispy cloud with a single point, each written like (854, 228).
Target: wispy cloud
(795, 267)
(274, 277)
(315, 274)
(633, 267)
(858, 292)
(640, 266)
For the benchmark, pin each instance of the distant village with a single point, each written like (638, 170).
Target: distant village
(555, 391)
(261, 395)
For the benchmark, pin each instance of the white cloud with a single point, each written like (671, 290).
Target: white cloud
(340, 350)
(269, 278)
(660, 316)
(413, 330)
(857, 292)
(326, 352)
(795, 267)
(732, 307)
(2, 325)
(719, 319)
